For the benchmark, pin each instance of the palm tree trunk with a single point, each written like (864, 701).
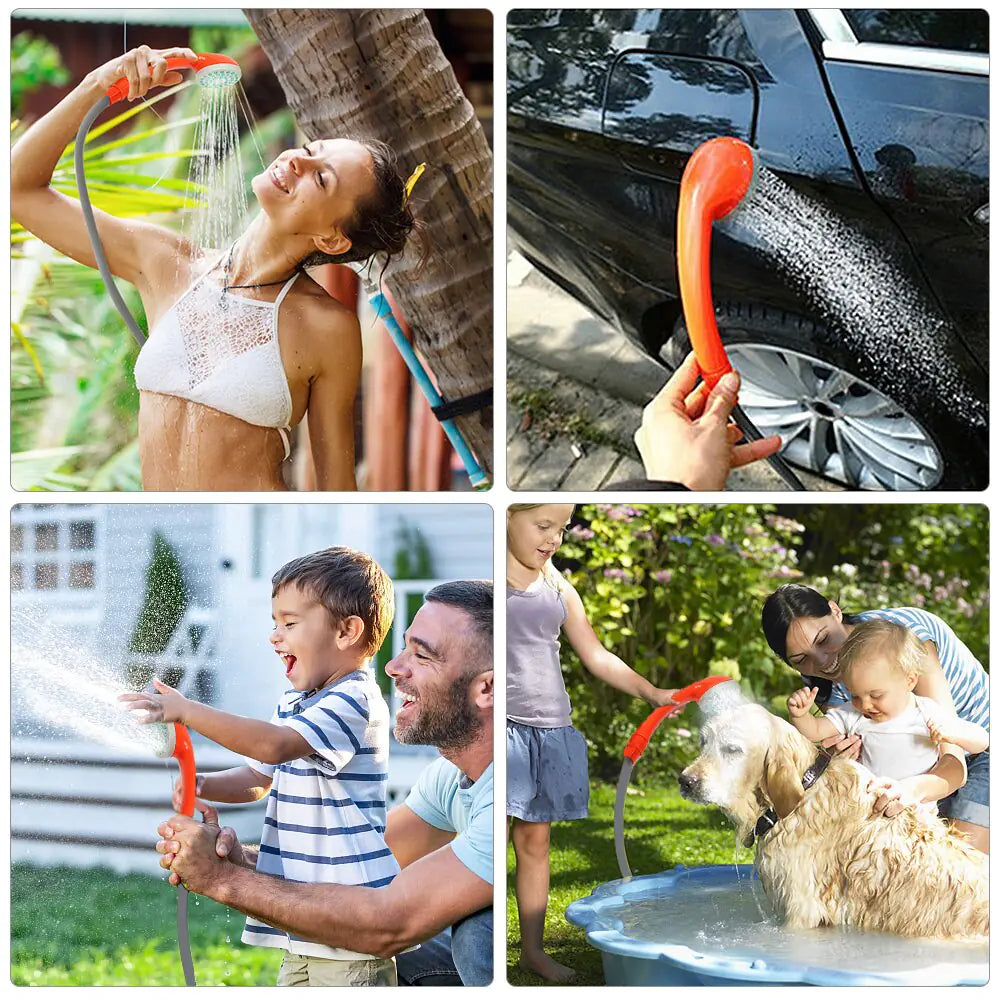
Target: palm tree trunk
(381, 74)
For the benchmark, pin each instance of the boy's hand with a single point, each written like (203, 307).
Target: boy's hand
(801, 701)
(199, 783)
(167, 705)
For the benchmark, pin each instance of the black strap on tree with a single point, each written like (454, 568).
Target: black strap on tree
(451, 408)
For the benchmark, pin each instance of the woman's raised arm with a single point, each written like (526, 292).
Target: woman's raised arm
(134, 249)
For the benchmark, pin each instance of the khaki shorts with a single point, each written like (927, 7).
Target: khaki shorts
(307, 970)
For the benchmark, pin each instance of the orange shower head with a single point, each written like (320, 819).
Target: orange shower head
(716, 179)
(636, 746)
(211, 71)
(178, 745)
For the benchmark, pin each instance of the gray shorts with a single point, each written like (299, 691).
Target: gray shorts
(546, 773)
(971, 802)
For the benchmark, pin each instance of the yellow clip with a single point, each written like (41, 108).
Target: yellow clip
(411, 181)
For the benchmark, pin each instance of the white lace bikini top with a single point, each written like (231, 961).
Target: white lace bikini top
(220, 350)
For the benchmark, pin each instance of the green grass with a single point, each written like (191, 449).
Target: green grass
(93, 927)
(661, 831)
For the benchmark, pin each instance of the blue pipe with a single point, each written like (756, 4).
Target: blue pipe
(383, 311)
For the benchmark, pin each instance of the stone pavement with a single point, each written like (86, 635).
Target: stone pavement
(576, 388)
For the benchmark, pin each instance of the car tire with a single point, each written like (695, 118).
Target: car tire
(889, 448)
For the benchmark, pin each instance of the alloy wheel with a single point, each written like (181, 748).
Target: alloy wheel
(833, 423)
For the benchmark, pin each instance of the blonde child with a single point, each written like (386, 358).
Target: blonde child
(901, 733)
(546, 756)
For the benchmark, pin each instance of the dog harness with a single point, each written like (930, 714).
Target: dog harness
(769, 820)
(221, 350)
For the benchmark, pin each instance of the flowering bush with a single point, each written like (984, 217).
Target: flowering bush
(676, 591)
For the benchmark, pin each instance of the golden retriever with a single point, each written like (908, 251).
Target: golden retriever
(829, 860)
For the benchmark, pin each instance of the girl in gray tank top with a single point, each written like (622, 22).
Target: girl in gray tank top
(546, 756)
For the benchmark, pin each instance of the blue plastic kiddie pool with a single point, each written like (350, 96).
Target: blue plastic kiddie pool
(712, 926)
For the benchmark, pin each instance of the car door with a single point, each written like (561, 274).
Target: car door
(911, 88)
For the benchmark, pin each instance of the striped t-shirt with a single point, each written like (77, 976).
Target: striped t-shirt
(967, 681)
(325, 818)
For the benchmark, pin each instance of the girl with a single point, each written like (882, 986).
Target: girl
(808, 631)
(242, 342)
(546, 756)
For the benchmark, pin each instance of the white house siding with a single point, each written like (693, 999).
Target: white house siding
(460, 537)
(228, 553)
(128, 548)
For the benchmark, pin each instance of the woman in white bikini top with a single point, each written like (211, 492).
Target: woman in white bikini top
(241, 346)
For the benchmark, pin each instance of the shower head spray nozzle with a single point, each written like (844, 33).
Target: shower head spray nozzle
(636, 746)
(177, 744)
(211, 71)
(717, 178)
(721, 698)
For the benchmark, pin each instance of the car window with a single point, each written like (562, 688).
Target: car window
(955, 30)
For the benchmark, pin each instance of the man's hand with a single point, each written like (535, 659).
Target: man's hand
(686, 437)
(180, 832)
(801, 701)
(167, 705)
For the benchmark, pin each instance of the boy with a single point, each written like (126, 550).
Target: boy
(321, 760)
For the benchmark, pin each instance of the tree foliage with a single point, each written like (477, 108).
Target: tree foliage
(676, 591)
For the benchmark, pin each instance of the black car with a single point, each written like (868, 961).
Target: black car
(861, 331)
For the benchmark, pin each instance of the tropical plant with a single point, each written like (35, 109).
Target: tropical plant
(73, 402)
(34, 63)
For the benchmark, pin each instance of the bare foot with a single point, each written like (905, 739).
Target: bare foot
(547, 968)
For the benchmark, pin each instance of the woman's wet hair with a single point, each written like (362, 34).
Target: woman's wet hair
(787, 603)
(382, 222)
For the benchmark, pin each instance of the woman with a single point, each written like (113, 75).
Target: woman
(807, 631)
(242, 343)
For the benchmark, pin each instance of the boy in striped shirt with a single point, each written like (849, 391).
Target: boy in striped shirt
(322, 760)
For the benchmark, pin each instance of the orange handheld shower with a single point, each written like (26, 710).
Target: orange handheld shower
(715, 180)
(718, 177)
(636, 746)
(211, 70)
(214, 72)
(177, 744)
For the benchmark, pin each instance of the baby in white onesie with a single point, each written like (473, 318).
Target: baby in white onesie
(901, 733)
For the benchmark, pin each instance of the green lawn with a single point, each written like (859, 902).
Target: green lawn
(92, 927)
(661, 830)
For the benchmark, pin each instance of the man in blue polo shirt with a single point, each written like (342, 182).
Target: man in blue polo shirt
(442, 836)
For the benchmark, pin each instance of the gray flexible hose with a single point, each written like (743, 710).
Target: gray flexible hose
(780, 466)
(623, 780)
(183, 941)
(91, 222)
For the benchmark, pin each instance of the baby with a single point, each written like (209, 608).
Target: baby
(901, 732)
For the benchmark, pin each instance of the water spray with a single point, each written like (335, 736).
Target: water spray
(176, 742)
(211, 71)
(718, 177)
(713, 694)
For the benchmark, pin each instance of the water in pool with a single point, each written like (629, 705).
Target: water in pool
(735, 920)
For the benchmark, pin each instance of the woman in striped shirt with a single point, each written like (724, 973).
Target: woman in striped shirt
(807, 631)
